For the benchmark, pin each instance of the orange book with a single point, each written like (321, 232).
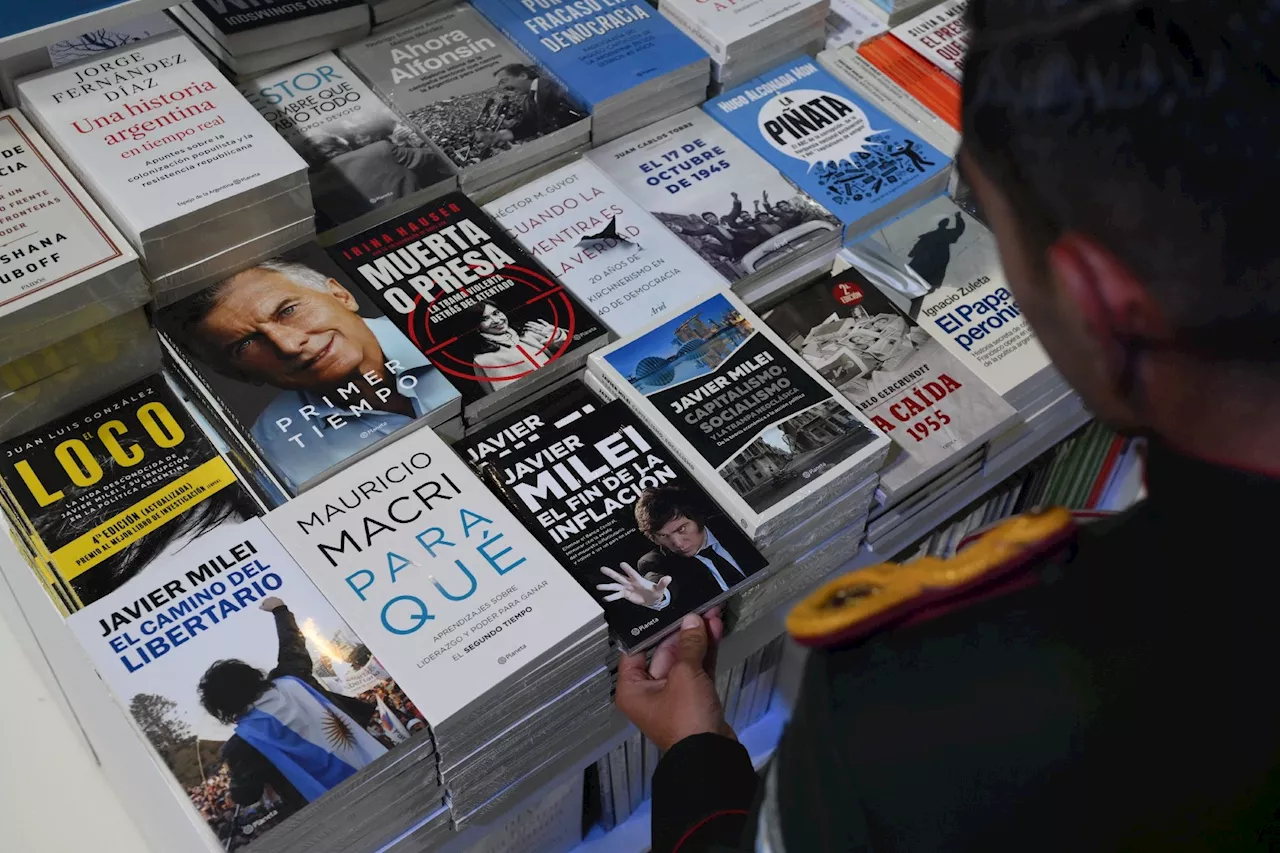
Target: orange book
(923, 80)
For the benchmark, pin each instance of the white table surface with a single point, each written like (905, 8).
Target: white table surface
(53, 796)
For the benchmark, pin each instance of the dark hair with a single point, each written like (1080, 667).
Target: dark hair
(468, 326)
(229, 687)
(515, 69)
(1150, 127)
(658, 505)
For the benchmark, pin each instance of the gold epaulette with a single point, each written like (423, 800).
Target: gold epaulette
(865, 600)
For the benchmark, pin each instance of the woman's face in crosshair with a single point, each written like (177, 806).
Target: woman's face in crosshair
(494, 322)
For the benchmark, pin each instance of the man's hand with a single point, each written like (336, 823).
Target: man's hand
(674, 697)
(270, 603)
(633, 586)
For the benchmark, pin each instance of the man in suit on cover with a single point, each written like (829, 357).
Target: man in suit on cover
(690, 566)
(538, 105)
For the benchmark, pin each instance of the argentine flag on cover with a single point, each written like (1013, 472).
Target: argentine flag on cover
(308, 738)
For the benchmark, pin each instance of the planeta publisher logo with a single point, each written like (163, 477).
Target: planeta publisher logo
(635, 632)
(847, 293)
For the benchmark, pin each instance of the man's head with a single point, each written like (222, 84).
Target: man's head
(516, 77)
(783, 206)
(668, 517)
(282, 324)
(1124, 152)
(710, 218)
(230, 687)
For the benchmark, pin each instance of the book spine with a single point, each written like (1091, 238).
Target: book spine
(608, 817)
(921, 79)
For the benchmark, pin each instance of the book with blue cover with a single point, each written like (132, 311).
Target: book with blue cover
(856, 161)
(602, 52)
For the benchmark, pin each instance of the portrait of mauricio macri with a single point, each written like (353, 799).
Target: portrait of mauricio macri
(288, 326)
(688, 567)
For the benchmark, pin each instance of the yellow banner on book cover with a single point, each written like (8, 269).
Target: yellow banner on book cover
(158, 508)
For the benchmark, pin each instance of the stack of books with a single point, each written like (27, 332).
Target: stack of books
(745, 38)
(627, 64)
(64, 272)
(250, 38)
(837, 146)
(184, 166)
(484, 313)
(724, 202)
(493, 642)
(942, 267)
(940, 35)
(234, 668)
(301, 371)
(54, 380)
(935, 407)
(386, 11)
(617, 509)
(365, 162)
(851, 22)
(897, 11)
(923, 100)
(611, 253)
(78, 48)
(475, 95)
(764, 433)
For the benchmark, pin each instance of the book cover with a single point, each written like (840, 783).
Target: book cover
(102, 39)
(833, 143)
(52, 235)
(598, 50)
(620, 261)
(238, 672)
(943, 267)
(360, 155)
(940, 35)
(156, 129)
(230, 17)
(616, 508)
(722, 24)
(717, 195)
(930, 403)
(106, 489)
(757, 425)
(463, 85)
(306, 365)
(480, 308)
(447, 587)
(851, 22)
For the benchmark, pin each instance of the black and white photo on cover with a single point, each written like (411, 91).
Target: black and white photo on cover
(916, 255)
(356, 166)
(741, 236)
(522, 105)
(696, 556)
(496, 345)
(780, 460)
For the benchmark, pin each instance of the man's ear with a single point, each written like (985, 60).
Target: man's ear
(340, 293)
(1117, 308)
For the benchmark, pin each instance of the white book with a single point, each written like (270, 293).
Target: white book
(764, 433)
(63, 265)
(437, 576)
(940, 35)
(366, 163)
(161, 138)
(721, 199)
(607, 249)
(942, 266)
(720, 24)
(853, 22)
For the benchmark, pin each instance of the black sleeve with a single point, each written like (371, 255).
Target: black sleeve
(293, 658)
(249, 770)
(703, 790)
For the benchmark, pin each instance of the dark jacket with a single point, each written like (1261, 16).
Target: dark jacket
(692, 583)
(1121, 699)
(548, 109)
(250, 769)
